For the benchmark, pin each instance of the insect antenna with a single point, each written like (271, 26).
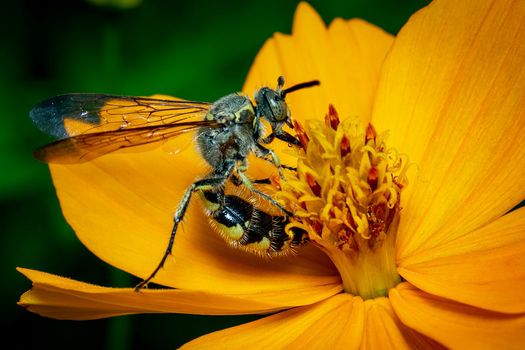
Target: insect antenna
(300, 86)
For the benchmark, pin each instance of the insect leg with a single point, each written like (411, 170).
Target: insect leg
(265, 181)
(249, 185)
(272, 201)
(281, 135)
(284, 166)
(263, 152)
(204, 184)
(268, 139)
(286, 137)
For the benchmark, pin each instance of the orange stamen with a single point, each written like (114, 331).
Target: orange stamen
(332, 118)
(371, 133)
(301, 135)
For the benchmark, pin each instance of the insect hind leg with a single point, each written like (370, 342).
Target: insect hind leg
(201, 185)
(272, 201)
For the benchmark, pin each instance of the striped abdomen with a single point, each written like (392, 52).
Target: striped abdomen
(244, 226)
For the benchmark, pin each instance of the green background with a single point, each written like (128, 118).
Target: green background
(194, 50)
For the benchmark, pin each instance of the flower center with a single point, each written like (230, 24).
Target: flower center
(346, 194)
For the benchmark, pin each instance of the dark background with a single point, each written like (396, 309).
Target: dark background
(197, 50)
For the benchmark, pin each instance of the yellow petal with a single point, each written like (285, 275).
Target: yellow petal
(63, 298)
(384, 330)
(346, 58)
(452, 92)
(121, 207)
(336, 323)
(360, 49)
(455, 325)
(484, 268)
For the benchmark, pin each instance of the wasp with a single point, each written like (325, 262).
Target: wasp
(88, 126)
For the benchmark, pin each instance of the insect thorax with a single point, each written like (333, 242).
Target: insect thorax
(235, 108)
(237, 135)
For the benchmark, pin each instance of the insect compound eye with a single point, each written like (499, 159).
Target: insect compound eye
(271, 105)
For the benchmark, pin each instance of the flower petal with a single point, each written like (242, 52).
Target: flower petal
(121, 207)
(452, 92)
(384, 330)
(360, 49)
(63, 298)
(456, 325)
(346, 58)
(474, 269)
(336, 323)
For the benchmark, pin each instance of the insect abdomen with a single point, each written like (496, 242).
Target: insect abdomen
(244, 226)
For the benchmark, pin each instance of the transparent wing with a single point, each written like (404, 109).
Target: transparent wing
(69, 115)
(91, 125)
(85, 147)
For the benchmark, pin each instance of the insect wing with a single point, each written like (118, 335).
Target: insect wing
(69, 115)
(85, 147)
(91, 125)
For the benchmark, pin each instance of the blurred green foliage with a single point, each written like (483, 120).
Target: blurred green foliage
(196, 50)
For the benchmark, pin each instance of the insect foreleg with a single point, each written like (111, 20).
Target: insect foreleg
(286, 137)
(268, 139)
(201, 185)
(281, 135)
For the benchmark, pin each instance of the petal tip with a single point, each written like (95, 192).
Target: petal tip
(306, 17)
(25, 271)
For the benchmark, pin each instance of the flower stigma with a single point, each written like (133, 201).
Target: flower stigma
(346, 194)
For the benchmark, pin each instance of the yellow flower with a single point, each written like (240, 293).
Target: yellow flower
(450, 93)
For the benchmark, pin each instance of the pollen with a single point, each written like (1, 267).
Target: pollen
(346, 193)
